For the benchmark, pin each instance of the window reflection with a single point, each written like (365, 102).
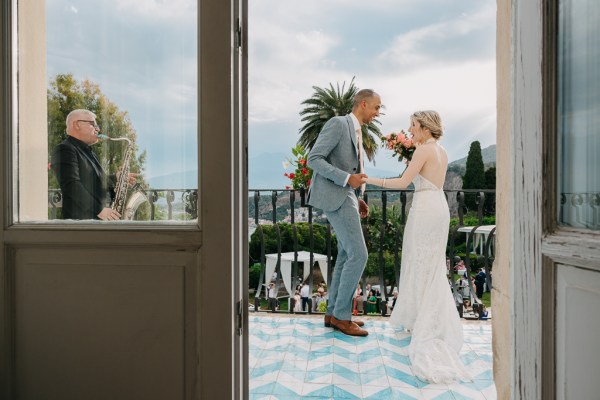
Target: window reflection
(128, 71)
(579, 113)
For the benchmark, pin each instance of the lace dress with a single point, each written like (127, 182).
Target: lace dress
(425, 304)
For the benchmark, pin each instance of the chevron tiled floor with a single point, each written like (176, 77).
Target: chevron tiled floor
(295, 357)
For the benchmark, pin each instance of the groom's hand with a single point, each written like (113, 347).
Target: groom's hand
(356, 180)
(363, 208)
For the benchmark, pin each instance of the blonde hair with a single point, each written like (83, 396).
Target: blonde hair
(430, 120)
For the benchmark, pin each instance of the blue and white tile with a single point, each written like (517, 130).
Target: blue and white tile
(395, 393)
(347, 391)
(436, 394)
(297, 357)
(317, 390)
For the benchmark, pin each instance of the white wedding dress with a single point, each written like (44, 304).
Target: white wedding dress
(425, 305)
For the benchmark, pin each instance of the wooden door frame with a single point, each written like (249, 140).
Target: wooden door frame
(219, 238)
(538, 243)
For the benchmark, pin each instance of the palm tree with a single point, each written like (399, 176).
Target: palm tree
(327, 103)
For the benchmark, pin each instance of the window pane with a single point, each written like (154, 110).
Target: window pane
(132, 64)
(579, 113)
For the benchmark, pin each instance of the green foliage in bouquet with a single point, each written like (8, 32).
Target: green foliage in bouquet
(302, 175)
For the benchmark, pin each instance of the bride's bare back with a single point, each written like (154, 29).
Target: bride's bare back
(434, 168)
(430, 160)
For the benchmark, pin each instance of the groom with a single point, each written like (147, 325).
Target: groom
(337, 163)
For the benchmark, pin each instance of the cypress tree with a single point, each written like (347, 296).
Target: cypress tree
(490, 198)
(474, 175)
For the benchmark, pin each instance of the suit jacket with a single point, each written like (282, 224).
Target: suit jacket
(332, 158)
(86, 189)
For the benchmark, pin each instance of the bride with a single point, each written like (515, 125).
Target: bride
(425, 305)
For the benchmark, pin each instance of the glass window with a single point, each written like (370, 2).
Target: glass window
(107, 110)
(579, 113)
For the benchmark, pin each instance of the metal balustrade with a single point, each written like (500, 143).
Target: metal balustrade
(266, 206)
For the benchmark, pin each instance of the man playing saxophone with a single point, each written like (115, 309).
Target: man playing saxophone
(86, 189)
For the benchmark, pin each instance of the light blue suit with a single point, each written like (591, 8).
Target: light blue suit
(332, 158)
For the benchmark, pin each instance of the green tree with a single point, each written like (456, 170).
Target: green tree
(474, 175)
(327, 103)
(490, 198)
(287, 240)
(66, 94)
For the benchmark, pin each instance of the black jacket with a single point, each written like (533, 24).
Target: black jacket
(86, 189)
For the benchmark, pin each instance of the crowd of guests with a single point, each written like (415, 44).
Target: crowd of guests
(368, 301)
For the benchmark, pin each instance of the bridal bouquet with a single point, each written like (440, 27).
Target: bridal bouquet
(300, 178)
(401, 144)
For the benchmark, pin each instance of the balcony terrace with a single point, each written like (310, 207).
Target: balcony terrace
(292, 355)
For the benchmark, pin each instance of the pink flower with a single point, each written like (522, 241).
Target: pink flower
(408, 143)
(304, 171)
(286, 175)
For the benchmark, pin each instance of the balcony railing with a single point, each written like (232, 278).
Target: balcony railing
(152, 204)
(280, 221)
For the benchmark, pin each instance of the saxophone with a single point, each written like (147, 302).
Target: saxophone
(121, 187)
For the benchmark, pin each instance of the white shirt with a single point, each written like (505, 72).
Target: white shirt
(357, 129)
(272, 294)
(304, 291)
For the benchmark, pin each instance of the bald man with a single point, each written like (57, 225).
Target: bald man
(86, 189)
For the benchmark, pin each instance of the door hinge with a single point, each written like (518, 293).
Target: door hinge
(238, 34)
(240, 318)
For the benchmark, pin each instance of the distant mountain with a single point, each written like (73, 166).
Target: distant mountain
(489, 160)
(265, 171)
(177, 180)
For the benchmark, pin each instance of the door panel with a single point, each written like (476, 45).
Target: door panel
(104, 324)
(577, 327)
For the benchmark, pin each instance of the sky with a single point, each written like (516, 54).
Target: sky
(143, 54)
(417, 54)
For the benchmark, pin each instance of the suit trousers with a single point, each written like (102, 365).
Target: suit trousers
(351, 258)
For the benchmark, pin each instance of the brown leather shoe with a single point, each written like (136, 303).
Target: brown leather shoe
(327, 322)
(358, 322)
(348, 327)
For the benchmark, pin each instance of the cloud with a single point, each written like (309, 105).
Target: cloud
(454, 40)
(283, 65)
(159, 9)
(442, 59)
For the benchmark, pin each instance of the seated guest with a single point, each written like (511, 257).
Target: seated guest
(358, 301)
(371, 303)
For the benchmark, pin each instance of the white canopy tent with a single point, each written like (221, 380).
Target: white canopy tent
(286, 267)
(481, 236)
